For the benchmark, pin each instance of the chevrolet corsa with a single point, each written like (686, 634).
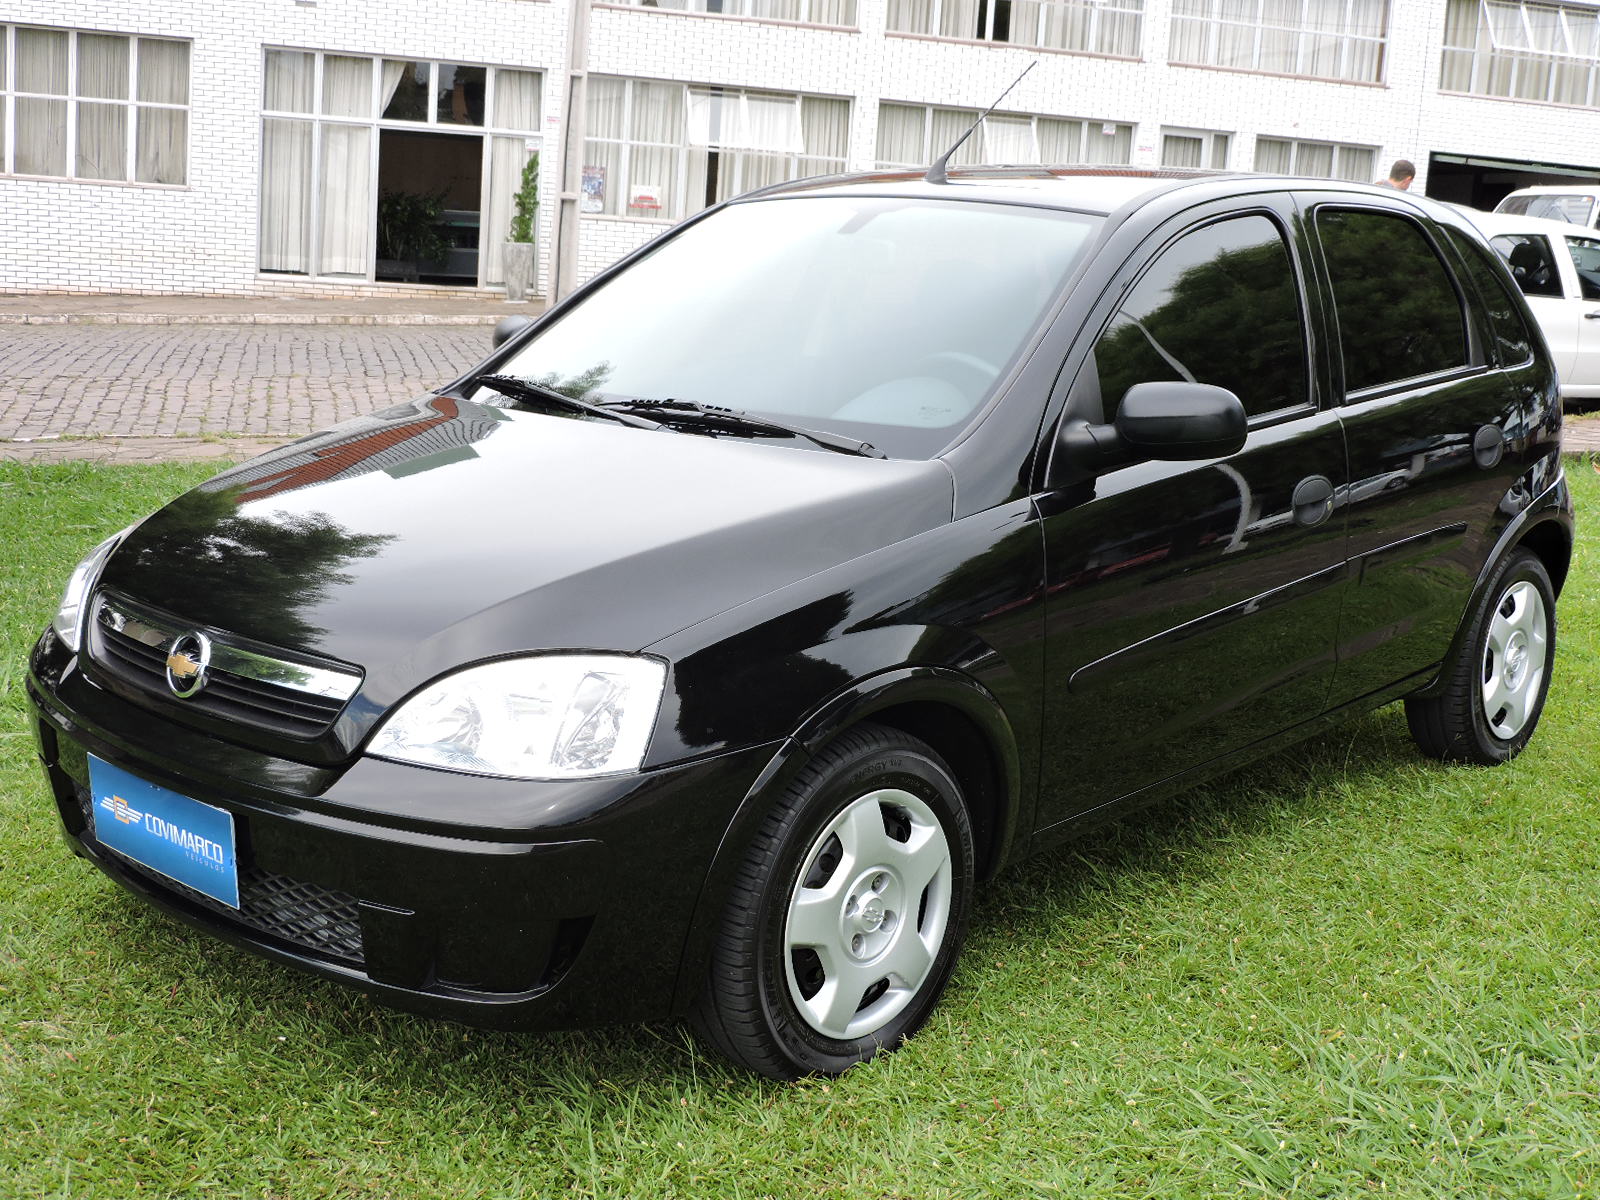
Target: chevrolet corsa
(704, 649)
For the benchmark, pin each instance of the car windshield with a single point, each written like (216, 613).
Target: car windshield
(1576, 208)
(886, 320)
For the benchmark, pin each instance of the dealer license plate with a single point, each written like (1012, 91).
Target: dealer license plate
(180, 838)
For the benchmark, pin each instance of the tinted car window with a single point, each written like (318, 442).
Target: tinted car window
(1531, 262)
(889, 320)
(1221, 305)
(1399, 314)
(1504, 322)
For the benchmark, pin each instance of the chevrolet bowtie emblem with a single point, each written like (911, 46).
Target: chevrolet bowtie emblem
(187, 660)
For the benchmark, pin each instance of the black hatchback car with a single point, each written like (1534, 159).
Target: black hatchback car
(701, 651)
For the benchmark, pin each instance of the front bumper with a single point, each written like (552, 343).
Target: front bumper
(500, 903)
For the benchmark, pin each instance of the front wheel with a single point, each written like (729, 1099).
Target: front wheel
(845, 921)
(1495, 685)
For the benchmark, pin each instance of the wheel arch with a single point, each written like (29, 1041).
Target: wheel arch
(950, 711)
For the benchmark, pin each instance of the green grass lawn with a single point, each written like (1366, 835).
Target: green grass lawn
(1343, 972)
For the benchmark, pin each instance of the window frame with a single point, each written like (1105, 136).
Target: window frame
(1297, 145)
(1097, 13)
(1215, 19)
(701, 8)
(70, 98)
(1488, 60)
(1214, 143)
(930, 151)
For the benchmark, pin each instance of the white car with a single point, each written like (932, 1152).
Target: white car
(1559, 202)
(1557, 266)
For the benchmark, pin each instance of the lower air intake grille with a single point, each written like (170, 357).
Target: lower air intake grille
(303, 914)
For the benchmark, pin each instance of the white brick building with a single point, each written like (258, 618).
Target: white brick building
(234, 147)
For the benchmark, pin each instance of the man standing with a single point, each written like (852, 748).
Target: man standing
(1400, 175)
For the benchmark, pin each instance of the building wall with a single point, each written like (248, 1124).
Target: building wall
(202, 237)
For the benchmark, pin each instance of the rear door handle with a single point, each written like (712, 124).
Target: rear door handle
(1313, 500)
(1592, 315)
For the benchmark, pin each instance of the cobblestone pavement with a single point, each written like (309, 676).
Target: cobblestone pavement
(185, 381)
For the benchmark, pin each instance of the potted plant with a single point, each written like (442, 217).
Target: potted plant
(518, 252)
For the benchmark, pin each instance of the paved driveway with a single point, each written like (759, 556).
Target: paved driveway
(77, 381)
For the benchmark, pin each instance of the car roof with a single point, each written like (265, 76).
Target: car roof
(1497, 224)
(1081, 188)
(1557, 189)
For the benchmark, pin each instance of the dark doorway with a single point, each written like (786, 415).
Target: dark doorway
(1480, 182)
(430, 200)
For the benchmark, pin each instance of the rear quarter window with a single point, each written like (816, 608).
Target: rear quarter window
(1513, 343)
(1399, 314)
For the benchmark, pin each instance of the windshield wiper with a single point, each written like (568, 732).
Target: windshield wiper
(537, 393)
(689, 412)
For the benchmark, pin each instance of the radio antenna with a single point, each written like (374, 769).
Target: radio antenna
(936, 173)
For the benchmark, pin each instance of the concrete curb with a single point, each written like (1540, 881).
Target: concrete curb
(226, 318)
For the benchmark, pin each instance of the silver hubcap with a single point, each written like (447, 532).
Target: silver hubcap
(867, 918)
(1513, 660)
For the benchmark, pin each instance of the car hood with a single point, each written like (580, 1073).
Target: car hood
(444, 532)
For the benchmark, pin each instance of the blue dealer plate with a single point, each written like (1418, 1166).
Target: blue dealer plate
(179, 837)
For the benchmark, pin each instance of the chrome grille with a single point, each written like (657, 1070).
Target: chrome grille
(281, 695)
(304, 914)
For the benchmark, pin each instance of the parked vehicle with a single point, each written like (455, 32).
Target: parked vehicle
(704, 649)
(1574, 204)
(1557, 266)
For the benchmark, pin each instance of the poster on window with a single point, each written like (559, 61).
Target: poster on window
(594, 190)
(646, 197)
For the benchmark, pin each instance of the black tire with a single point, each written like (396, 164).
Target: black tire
(1457, 724)
(761, 1005)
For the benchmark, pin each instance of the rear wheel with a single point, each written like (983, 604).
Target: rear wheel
(844, 923)
(1495, 686)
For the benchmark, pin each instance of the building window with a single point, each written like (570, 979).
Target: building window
(1522, 51)
(1320, 39)
(94, 105)
(1324, 160)
(913, 135)
(810, 12)
(1195, 148)
(391, 169)
(670, 149)
(1087, 26)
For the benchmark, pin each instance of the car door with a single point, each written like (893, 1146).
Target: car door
(1191, 606)
(1581, 271)
(1433, 427)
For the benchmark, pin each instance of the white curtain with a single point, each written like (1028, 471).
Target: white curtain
(657, 115)
(346, 203)
(608, 114)
(286, 195)
(825, 126)
(516, 100)
(901, 140)
(393, 72)
(1059, 141)
(1009, 140)
(959, 19)
(833, 12)
(1274, 156)
(1107, 143)
(102, 151)
(163, 145)
(1181, 150)
(1357, 163)
(346, 86)
(1189, 37)
(911, 16)
(164, 72)
(288, 83)
(507, 156)
(1312, 159)
(947, 124)
(41, 125)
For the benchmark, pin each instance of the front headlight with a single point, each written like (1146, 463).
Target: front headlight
(550, 716)
(68, 622)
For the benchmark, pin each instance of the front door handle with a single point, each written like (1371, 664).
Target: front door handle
(1313, 500)
(1592, 315)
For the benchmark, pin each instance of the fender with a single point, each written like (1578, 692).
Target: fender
(847, 707)
(1552, 510)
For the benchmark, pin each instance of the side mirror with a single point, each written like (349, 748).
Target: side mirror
(508, 327)
(1172, 421)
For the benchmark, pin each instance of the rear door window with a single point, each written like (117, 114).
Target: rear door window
(1585, 253)
(1400, 316)
(1221, 305)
